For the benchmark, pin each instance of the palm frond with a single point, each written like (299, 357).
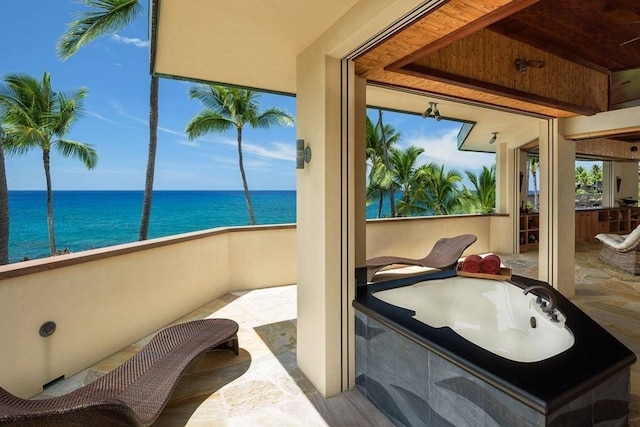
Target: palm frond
(110, 16)
(273, 117)
(77, 150)
(208, 121)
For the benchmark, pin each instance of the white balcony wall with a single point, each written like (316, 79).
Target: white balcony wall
(414, 237)
(105, 299)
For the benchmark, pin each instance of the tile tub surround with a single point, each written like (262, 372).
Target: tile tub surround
(431, 391)
(546, 387)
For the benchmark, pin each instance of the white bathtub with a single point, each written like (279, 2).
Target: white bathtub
(492, 314)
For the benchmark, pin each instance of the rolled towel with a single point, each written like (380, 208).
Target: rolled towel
(490, 264)
(471, 264)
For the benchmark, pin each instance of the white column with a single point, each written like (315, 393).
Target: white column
(330, 101)
(557, 208)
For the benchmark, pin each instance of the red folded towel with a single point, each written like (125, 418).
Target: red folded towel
(471, 264)
(490, 264)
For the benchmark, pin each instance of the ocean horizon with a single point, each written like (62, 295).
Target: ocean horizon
(99, 218)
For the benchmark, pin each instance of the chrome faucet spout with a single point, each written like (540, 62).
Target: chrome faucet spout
(547, 293)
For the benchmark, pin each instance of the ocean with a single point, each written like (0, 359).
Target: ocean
(95, 219)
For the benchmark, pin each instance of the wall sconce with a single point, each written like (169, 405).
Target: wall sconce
(522, 65)
(47, 329)
(432, 111)
(618, 182)
(303, 154)
(494, 137)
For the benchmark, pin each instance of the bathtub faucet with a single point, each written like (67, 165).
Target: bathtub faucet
(550, 296)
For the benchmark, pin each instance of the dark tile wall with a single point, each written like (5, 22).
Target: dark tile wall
(415, 387)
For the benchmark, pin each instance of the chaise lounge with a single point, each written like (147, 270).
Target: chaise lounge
(621, 251)
(444, 256)
(133, 394)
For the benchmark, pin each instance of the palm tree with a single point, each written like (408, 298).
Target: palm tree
(381, 172)
(595, 174)
(582, 176)
(442, 193)
(407, 178)
(110, 17)
(482, 198)
(385, 158)
(37, 116)
(534, 163)
(4, 207)
(227, 108)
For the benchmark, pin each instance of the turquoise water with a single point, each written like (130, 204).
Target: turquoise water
(95, 219)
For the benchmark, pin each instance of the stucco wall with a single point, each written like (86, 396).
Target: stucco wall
(103, 300)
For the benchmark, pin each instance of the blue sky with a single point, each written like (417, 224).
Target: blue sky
(115, 70)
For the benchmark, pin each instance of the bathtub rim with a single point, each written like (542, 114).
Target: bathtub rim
(573, 373)
(567, 337)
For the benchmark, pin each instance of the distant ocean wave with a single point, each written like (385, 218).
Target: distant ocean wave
(95, 219)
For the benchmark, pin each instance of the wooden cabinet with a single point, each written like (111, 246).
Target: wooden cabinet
(588, 223)
(529, 231)
(617, 220)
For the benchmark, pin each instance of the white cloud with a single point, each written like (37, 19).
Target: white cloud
(101, 117)
(127, 40)
(273, 150)
(443, 149)
(276, 150)
(189, 143)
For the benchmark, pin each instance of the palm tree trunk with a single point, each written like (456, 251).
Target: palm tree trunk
(385, 154)
(380, 201)
(4, 208)
(47, 173)
(535, 190)
(151, 159)
(247, 196)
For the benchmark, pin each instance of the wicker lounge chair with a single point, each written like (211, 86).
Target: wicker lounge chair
(443, 256)
(621, 251)
(133, 394)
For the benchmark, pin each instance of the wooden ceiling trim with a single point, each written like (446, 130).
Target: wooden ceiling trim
(486, 56)
(393, 79)
(595, 30)
(604, 133)
(515, 34)
(440, 22)
(464, 31)
(469, 83)
(605, 148)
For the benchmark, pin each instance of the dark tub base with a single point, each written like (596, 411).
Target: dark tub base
(414, 386)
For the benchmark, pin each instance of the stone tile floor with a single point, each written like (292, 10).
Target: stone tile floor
(264, 387)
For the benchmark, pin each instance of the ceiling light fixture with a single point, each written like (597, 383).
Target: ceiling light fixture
(432, 111)
(493, 138)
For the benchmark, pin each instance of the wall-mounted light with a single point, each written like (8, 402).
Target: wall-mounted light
(47, 329)
(494, 137)
(432, 111)
(522, 65)
(618, 183)
(303, 154)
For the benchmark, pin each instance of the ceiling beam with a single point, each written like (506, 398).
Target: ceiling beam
(469, 83)
(463, 32)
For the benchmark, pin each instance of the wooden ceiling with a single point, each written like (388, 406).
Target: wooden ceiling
(466, 49)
